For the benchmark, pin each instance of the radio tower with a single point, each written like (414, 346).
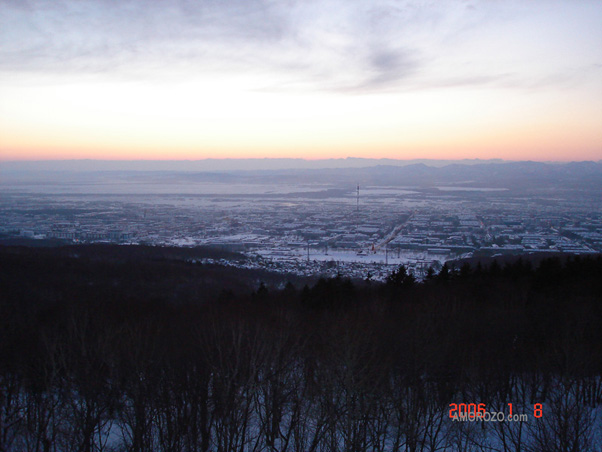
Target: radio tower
(357, 212)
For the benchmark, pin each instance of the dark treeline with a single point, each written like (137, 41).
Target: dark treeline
(113, 356)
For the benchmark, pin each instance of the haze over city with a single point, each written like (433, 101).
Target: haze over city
(314, 79)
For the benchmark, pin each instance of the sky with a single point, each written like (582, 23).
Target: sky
(312, 79)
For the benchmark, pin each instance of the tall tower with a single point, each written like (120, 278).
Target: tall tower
(357, 210)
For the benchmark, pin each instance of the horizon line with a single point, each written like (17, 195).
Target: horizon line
(212, 159)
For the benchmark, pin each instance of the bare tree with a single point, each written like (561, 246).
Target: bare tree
(11, 409)
(565, 423)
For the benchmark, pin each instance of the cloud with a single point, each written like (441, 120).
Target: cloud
(69, 35)
(299, 40)
(390, 66)
(334, 45)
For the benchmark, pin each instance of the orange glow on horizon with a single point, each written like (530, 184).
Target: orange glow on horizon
(533, 153)
(538, 142)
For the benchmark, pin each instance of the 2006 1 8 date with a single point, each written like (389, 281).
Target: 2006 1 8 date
(474, 411)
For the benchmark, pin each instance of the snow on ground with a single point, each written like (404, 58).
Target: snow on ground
(367, 257)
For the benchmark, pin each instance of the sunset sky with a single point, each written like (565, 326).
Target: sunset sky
(446, 79)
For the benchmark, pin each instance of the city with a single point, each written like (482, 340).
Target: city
(311, 228)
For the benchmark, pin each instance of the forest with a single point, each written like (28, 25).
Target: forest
(129, 349)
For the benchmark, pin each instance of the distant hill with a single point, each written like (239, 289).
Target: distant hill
(218, 164)
(426, 174)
